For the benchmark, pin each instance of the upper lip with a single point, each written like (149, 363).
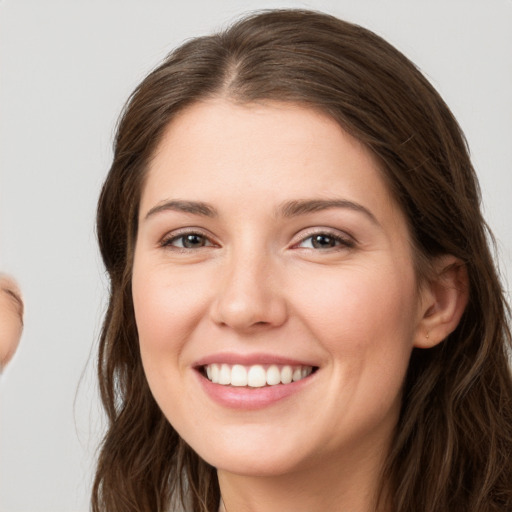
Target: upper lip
(250, 359)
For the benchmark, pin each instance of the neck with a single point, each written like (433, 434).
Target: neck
(351, 488)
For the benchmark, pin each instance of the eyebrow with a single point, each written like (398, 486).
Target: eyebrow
(288, 209)
(194, 207)
(305, 206)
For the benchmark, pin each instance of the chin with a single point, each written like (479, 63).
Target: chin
(258, 465)
(251, 455)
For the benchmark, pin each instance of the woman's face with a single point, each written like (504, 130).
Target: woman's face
(274, 291)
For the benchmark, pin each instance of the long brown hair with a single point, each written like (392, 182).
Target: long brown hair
(452, 450)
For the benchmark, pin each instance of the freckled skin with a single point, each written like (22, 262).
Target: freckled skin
(11, 318)
(257, 283)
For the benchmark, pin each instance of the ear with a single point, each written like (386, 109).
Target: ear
(443, 300)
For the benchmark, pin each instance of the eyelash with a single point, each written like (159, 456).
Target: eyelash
(167, 242)
(341, 242)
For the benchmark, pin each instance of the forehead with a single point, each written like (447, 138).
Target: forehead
(275, 148)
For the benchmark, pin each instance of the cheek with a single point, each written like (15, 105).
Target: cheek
(361, 299)
(365, 319)
(167, 307)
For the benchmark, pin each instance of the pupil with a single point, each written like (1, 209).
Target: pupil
(323, 241)
(190, 241)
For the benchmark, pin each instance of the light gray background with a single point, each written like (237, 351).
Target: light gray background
(66, 67)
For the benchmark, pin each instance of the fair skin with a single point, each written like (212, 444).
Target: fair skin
(11, 318)
(268, 240)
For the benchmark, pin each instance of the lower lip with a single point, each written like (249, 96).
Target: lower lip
(251, 398)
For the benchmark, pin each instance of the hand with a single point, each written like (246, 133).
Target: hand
(11, 318)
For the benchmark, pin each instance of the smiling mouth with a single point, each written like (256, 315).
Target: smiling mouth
(255, 376)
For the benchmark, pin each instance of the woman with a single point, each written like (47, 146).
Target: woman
(304, 310)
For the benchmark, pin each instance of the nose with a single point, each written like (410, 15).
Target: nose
(249, 296)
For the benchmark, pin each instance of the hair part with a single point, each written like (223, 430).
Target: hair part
(453, 443)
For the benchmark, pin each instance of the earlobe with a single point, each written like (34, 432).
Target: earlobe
(444, 299)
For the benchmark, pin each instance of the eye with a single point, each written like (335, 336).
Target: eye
(187, 241)
(325, 240)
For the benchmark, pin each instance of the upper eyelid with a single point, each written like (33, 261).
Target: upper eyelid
(172, 235)
(319, 230)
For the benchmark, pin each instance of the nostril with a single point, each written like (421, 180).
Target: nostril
(248, 308)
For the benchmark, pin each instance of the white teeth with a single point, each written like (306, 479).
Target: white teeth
(238, 375)
(255, 376)
(273, 375)
(286, 374)
(297, 374)
(214, 369)
(225, 374)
